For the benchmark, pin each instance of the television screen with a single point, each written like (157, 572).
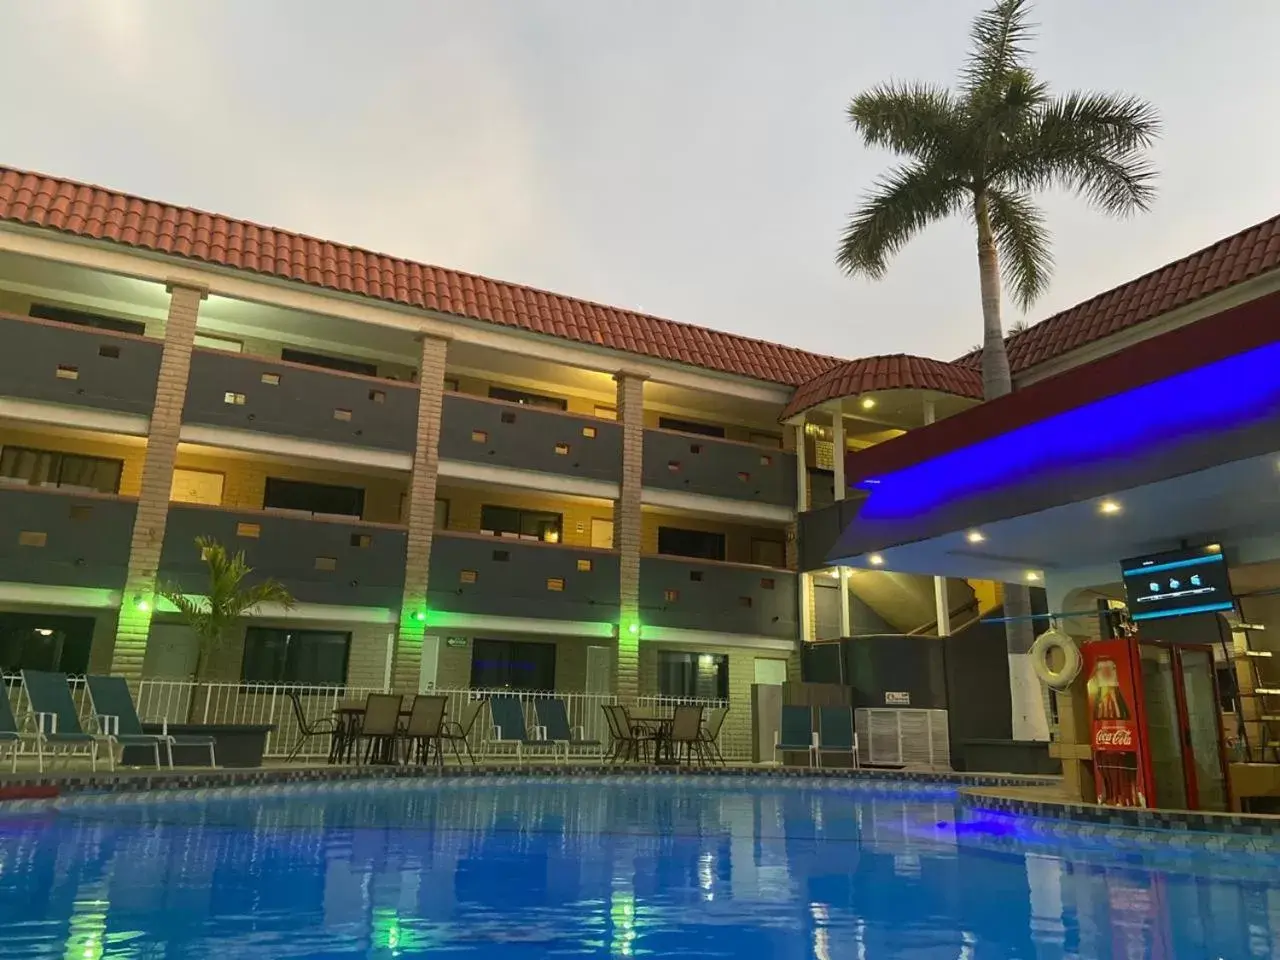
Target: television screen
(1178, 583)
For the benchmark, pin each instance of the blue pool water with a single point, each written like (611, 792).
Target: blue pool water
(504, 868)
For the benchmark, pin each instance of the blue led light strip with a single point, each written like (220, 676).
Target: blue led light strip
(1203, 608)
(1174, 565)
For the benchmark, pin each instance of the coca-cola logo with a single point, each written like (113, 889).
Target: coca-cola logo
(1113, 737)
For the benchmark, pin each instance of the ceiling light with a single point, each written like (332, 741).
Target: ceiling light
(1213, 548)
(1109, 506)
(868, 403)
(975, 536)
(1032, 576)
(875, 560)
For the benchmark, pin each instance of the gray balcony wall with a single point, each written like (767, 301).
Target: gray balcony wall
(286, 548)
(86, 539)
(512, 576)
(712, 596)
(511, 435)
(99, 369)
(819, 530)
(297, 401)
(719, 468)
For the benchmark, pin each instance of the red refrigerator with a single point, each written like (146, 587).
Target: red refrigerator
(1155, 725)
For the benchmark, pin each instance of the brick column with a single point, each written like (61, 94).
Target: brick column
(138, 602)
(421, 503)
(626, 533)
(793, 442)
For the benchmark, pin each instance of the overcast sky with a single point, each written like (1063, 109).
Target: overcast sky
(689, 158)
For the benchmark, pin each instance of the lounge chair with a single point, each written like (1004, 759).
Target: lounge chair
(57, 720)
(309, 728)
(553, 727)
(711, 733)
(10, 735)
(508, 725)
(796, 734)
(425, 726)
(835, 733)
(455, 732)
(117, 718)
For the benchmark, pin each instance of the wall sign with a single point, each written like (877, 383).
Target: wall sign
(897, 698)
(456, 642)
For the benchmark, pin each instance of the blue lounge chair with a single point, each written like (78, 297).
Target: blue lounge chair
(553, 727)
(117, 718)
(836, 734)
(10, 735)
(58, 721)
(508, 725)
(796, 733)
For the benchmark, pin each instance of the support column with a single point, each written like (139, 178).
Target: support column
(421, 505)
(846, 613)
(626, 533)
(941, 597)
(838, 452)
(138, 601)
(807, 614)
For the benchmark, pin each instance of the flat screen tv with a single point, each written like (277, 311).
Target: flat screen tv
(1177, 583)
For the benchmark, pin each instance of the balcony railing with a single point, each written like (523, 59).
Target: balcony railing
(331, 560)
(61, 363)
(718, 468)
(498, 576)
(691, 594)
(65, 537)
(294, 400)
(504, 434)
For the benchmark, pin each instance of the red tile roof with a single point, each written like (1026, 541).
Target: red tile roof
(95, 213)
(1224, 264)
(896, 372)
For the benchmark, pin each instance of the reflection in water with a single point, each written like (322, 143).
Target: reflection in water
(697, 868)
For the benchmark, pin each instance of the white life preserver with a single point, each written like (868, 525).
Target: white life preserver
(1041, 659)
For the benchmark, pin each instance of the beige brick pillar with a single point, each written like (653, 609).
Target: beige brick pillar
(138, 602)
(626, 533)
(421, 504)
(793, 441)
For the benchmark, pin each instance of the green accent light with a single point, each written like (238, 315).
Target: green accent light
(142, 604)
(420, 616)
(634, 629)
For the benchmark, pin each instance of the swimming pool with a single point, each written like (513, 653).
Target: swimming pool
(603, 867)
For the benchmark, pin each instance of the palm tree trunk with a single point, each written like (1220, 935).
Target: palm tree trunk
(1030, 721)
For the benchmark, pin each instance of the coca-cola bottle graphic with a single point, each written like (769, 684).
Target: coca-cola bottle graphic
(1105, 695)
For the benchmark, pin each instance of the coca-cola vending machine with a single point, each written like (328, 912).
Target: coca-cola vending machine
(1156, 728)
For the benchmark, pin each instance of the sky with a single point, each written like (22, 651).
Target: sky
(686, 158)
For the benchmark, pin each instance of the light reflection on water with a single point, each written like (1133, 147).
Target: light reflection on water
(606, 869)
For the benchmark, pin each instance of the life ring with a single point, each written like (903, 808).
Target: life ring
(1042, 659)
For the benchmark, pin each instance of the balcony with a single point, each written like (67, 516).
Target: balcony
(331, 560)
(500, 576)
(293, 400)
(61, 537)
(709, 595)
(718, 468)
(479, 430)
(60, 363)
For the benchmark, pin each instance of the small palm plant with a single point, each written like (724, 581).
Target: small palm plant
(212, 617)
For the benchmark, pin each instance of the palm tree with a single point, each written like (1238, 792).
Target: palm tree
(213, 616)
(984, 150)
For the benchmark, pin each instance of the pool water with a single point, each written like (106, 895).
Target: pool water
(698, 867)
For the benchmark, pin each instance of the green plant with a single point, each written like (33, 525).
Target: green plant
(983, 151)
(228, 600)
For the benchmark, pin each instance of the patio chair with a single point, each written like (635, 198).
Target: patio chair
(380, 726)
(117, 718)
(425, 726)
(836, 734)
(642, 737)
(553, 727)
(508, 725)
(456, 732)
(58, 721)
(10, 735)
(796, 734)
(711, 733)
(686, 731)
(309, 728)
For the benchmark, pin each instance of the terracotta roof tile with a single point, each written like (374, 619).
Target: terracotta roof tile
(98, 214)
(1224, 264)
(896, 372)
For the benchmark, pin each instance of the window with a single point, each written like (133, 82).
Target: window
(273, 655)
(313, 497)
(675, 542)
(210, 342)
(30, 641)
(80, 318)
(768, 553)
(528, 399)
(329, 363)
(512, 665)
(525, 524)
(1226, 687)
(701, 675)
(690, 426)
(49, 468)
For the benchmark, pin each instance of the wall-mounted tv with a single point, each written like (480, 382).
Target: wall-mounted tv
(1177, 583)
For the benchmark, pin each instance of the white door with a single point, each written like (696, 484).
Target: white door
(430, 663)
(599, 670)
(602, 533)
(771, 671)
(171, 652)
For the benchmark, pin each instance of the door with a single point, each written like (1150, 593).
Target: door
(430, 664)
(771, 671)
(1164, 726)
(1203, 728)
(171, 654)
(599, 670)
(602, 533)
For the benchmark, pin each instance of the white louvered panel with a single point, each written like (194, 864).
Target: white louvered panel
(911, 738)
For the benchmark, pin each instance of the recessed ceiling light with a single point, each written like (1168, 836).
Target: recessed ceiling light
(1214, 548)
(974, 536)
(868, 403)
(1032, 576)
(875, 560)
(1109, 506)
